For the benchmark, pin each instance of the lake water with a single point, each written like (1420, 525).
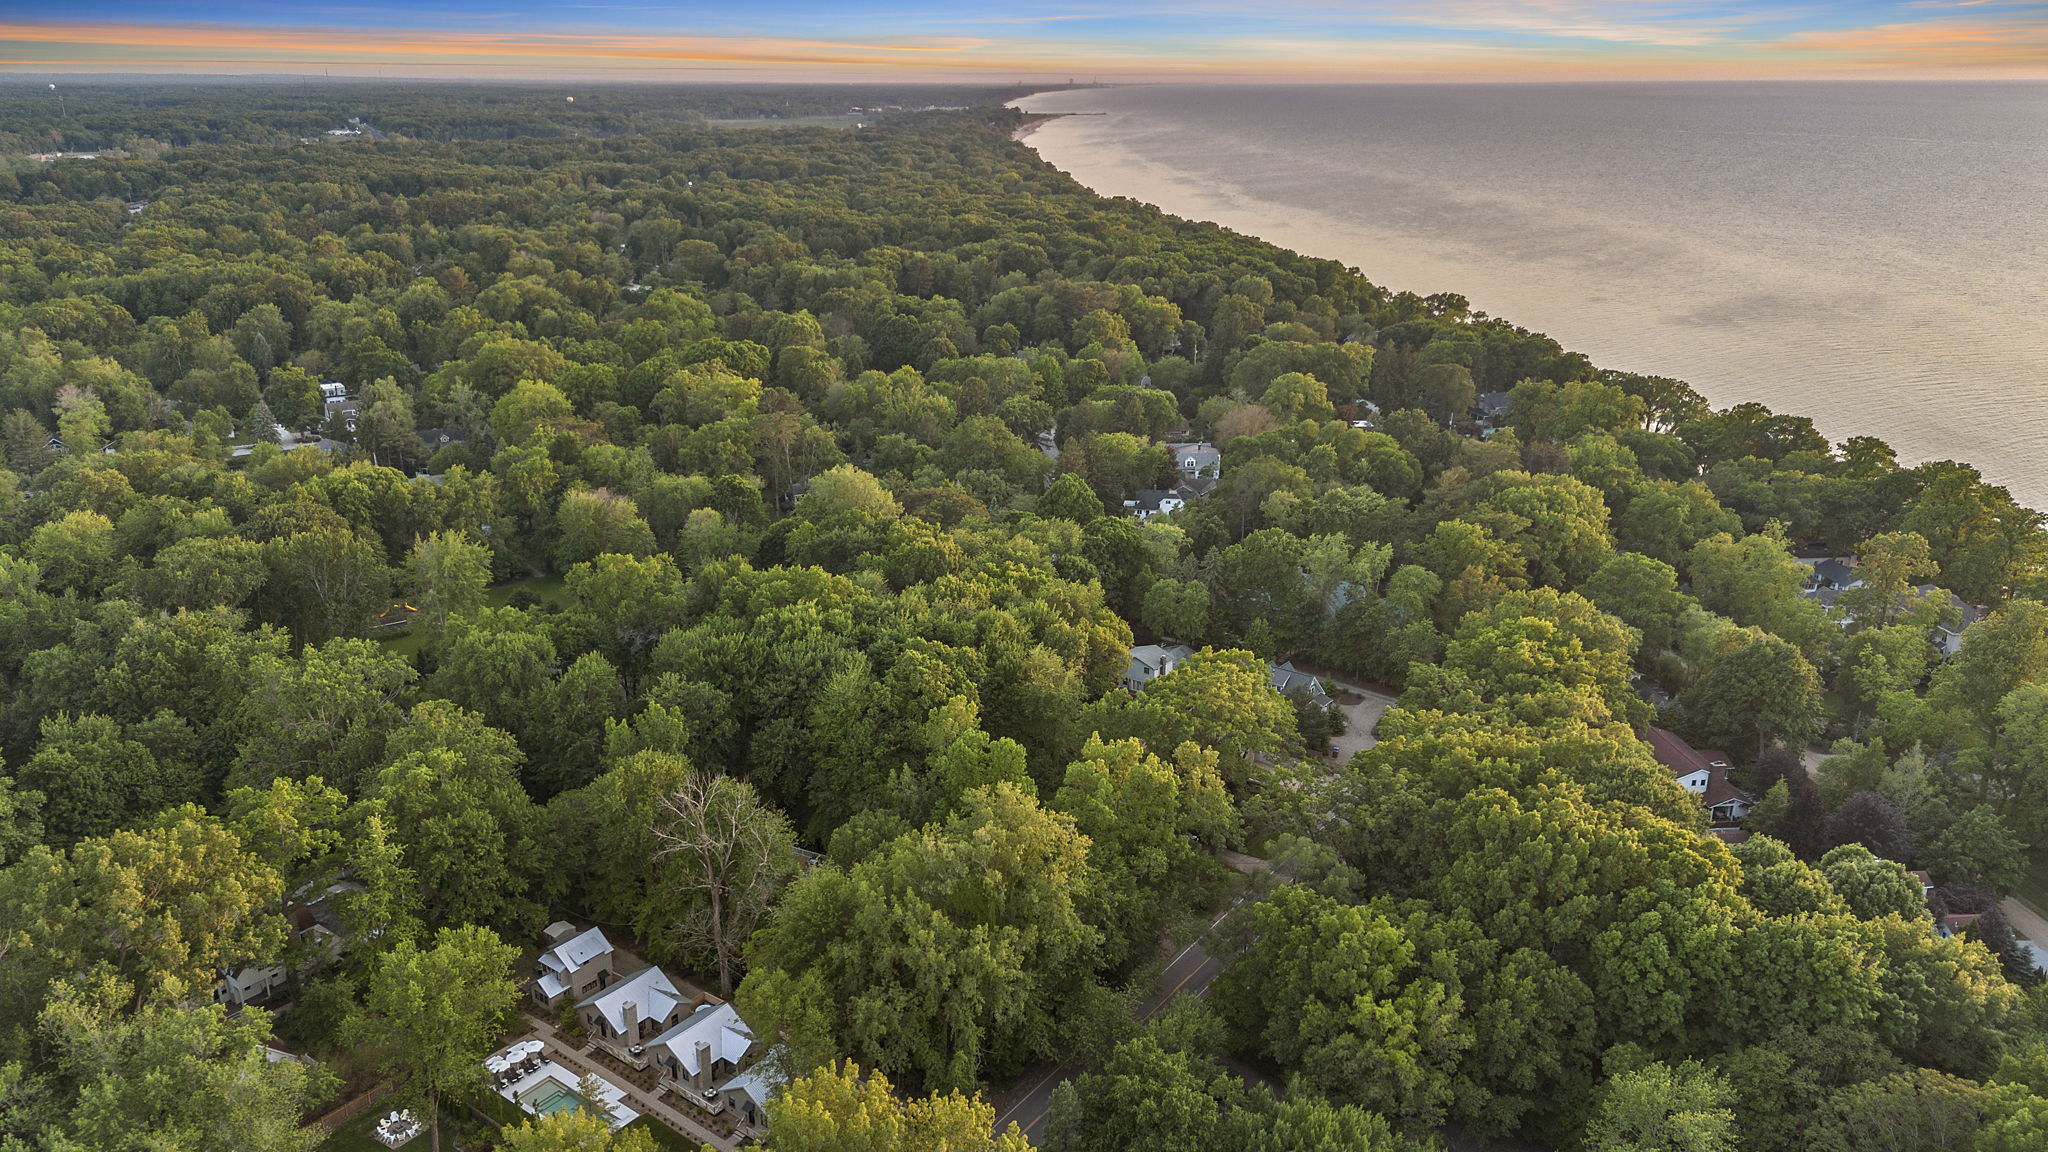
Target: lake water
(1871, 255)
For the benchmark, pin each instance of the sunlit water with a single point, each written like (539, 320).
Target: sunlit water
(1874, 256)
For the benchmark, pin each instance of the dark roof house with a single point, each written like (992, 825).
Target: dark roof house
(1704, 773)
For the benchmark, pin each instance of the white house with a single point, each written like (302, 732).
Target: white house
(1702, 773)
(1156, 502)
(1948, 638)
(1151, 661)
(257, 982)
(579, 965)
(631, 1012)
(1198, 459)
(703, 1051)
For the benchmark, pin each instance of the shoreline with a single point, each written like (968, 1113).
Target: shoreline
(1681, 339)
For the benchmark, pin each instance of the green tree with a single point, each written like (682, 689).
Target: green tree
(451, 798)
(1980, 851)
(1355, 997)
(181, 1079)
(166, 906)
(445, 575)
(846, 489)
(1643, 593)
(430, 1015)
(597, 522)
(575, 1130)
(842, 1109)
(959, 944)
(1871, 886)
(1755, 690)
(1659, 1108)
(1070, 498)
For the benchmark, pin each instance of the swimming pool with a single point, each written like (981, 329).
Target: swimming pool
(549, 1097)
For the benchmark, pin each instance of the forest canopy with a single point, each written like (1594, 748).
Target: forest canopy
(512, 514)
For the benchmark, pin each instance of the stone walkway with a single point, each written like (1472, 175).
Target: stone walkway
(578, 1060)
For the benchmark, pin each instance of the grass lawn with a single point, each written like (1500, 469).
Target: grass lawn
(664, 1136)
(547, 588)
(355, 1136)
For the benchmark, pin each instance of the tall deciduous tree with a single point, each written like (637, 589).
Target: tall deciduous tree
(175, 1079)
(1659, 1108)
(733, 852)
(1754, 690)
(842, 1109)
(430, 1015)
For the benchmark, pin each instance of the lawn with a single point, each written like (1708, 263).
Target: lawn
(664, 1136)
(547, 588)
(354, 1136)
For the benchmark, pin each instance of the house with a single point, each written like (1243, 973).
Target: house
(1948, 638)
(1955, 923)
(1151, 661)
(578, 965)
(1198, 459)
(1702, 773)
(1833, 573)
(1489, 407)
(746, 1095)
(1926, 882)
(135, 207)
(625, 1016)
(251, 985)
(1193, 487)
(1155, 502)
(1286, 678)
(703, 1052)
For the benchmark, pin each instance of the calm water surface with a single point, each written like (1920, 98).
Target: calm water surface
(1874, 256)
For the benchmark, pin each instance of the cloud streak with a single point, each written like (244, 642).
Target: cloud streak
(1298, 39)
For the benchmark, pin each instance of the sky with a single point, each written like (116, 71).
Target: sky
(1308, 40)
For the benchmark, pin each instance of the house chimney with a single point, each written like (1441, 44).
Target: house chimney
(703, 1077)
(630, 1013)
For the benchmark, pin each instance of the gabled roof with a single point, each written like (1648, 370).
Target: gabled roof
(651, 991)
(1683, 760)
(572, 954)
(1150, 499)
(1967, 613)
(1153, 659)
(1286, 677)
(1834, 572)
(759, 1082)
(717, 1026)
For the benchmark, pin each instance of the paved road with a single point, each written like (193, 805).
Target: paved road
(2027, 924)
(1190, 972)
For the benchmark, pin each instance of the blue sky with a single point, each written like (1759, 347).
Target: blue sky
(1321, 40)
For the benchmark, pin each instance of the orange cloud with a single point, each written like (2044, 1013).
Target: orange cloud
(1945, 41)
(1950, 46)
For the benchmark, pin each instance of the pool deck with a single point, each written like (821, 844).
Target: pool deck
(614, 1096)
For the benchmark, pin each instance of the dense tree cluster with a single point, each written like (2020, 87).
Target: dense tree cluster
(575, 513)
